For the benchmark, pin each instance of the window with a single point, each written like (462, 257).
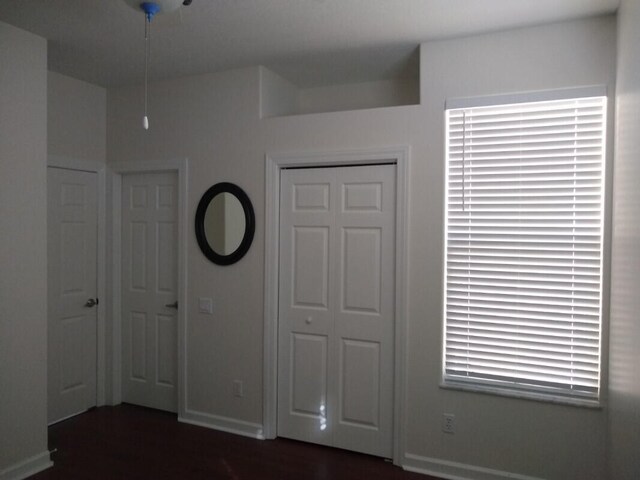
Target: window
(524, 231)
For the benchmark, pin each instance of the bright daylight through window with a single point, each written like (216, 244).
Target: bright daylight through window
(524, 233)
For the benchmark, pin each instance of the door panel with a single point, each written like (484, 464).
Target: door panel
(166, 350)
(149, 287)
(360, 387)
(309, 374)
(72, 337)
(306, 324)
(361, 258)
(364, 317)
(138, 346)
(310, 267)
(138, 262)
(167, 246)
(337, 282)
(72, 281)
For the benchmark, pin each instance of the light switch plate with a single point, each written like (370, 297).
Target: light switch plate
(205, 305)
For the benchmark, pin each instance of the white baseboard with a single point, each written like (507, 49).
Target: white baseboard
(224, 424)
(456, 471)
(28, 467)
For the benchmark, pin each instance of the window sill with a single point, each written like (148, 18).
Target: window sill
(524, 395)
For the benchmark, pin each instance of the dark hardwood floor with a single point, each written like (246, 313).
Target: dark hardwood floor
(128, 442)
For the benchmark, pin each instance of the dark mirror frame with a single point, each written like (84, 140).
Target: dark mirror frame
(250, 225)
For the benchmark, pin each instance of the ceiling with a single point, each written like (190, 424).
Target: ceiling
(309, 42)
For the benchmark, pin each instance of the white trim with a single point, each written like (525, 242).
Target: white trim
(181, 167)
(223, 424)
(116, 276)
(401, 301)
(526, 97)
(522, 394)
(270, 339)
(456, 471)
(273, 164)
(58, 161)
(68, 417)
(27, 467)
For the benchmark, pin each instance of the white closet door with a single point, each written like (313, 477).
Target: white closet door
(364, 310)
(336, 324)
(72, 269)
(149, 290)
(306, 304)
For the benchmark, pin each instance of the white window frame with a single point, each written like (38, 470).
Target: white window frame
(515, 390)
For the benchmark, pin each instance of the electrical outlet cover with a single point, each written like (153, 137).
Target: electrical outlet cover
(238, 388)
(449, 423)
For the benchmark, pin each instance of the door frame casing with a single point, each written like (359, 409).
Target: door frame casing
(273, 164)
(180, 167)
(100, 169)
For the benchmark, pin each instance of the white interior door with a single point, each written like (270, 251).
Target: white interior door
(149, 289)
(336, 307)
(72, 285)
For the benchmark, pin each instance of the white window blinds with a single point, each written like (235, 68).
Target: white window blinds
(524, 229)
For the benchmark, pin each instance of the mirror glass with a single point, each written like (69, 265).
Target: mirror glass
(225, 223)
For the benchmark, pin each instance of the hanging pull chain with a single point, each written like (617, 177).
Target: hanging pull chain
(147, 41)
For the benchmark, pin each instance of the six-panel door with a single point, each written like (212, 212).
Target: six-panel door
(336, 307)
(72, 273)
(149, 290)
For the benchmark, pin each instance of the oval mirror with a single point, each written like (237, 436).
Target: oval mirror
(225, 223)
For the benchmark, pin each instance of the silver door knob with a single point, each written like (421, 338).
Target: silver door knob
(172, 305)
(92, 302)
(309, 320)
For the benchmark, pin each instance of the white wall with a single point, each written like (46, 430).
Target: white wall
(77, 117)
(624, 376)
(214, 121)
(538, 439)
(280, 97)
(23, 252)
(355, 96)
